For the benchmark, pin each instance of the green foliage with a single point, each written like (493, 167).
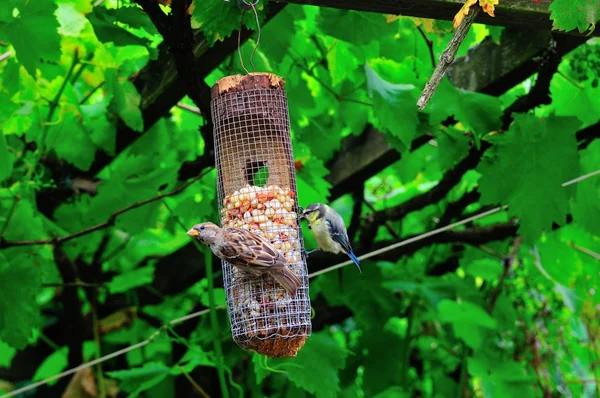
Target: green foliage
(575, 14)
(32, 30)
(85, 133)
(19, 313)
(535, 194)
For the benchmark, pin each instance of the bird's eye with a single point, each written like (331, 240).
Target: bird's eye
(202, 227)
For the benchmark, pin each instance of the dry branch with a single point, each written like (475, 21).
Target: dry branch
(447, 58)
(108, 223)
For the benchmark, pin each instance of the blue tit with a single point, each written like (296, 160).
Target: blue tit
(248, 252)
(329, 230)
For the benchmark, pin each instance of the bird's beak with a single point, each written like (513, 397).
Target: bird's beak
(192, 232)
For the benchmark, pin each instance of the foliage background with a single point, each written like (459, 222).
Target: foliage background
(502, 306)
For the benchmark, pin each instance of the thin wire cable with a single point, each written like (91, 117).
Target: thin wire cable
(314, 274)
(252, 5)
(583, 177)
(257, 37)
(408, 241)
(240, 41)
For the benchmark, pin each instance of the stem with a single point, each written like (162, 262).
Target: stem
(53, 106)
(460, 391)
(96, 327)
(193, 382)
(9, 217)
(407, 341)
(87, 97)
(214, 324)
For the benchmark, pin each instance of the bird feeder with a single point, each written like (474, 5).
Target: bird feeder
(257, 191)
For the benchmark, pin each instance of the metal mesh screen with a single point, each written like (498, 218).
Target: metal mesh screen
(257, 191)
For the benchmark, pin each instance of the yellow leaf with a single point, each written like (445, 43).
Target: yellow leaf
(427, 24)
(463, 12)
(488, 6)
(389, 18)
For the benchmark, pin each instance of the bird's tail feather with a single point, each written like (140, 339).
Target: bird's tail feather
(353, 257)
(288, 279)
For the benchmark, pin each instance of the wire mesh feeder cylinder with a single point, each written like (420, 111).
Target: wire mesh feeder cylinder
(257, 191)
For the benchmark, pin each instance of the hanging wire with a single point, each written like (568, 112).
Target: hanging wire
(244, 4)
(323, 271)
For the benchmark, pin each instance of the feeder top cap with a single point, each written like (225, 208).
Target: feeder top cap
(246, 82)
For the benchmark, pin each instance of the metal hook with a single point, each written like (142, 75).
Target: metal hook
(246, 5)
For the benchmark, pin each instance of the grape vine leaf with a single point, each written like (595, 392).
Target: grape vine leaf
(568, 15)
(479, 113)
(33, 32)
(53, 364)
(7, 353)
(137, 380)
(72, 142)
(488, 6)
(585, 209)
(342, 63)
(570, 100)
(528, 166)
(356, 27)
(6, 159)
(468, 321)
(125, 99)
(321, 352)
(218, 19)
(453, 145)
(394, 108)
(107, 30)
(19, 312)
(128, 280)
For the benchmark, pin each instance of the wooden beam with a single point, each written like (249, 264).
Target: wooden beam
(522, 14)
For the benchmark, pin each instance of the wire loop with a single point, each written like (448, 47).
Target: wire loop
(244, 4)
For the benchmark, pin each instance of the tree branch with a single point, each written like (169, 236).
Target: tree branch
(75, 327)
(108, 223)
(447, 57)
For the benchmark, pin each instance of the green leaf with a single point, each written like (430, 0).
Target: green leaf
(382, 363)
(34, 33)
(453, 146)
(586, 211)
(102, 132)
(218, 19)
(72, 142)
(394, 108)
(545, 154)
(479, 113)
(6, 159)
(137, 380)
(19, 312)
(7, 353)
(260, 371)
(53, 364)
(279, 32)
(465, 312)
(108, 31)
(356, 27)
(320, 352)
(131, 279)
(125, 99)
(570, 100)
(568, 15)
(342, 63)
(485, 268)
(468, 320)
(72, 20)
(219, 297)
